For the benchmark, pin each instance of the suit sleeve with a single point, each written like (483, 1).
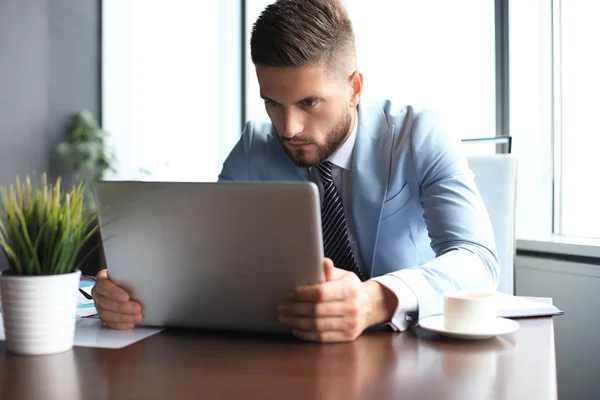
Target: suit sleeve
(457, 221)
(235, 167)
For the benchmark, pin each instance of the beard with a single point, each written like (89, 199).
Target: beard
(333, 140)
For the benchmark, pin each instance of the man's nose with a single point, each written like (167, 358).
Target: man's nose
(292, 124)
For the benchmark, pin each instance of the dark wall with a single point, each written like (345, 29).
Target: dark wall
(24, 68)
(74, 65)
(49, 68)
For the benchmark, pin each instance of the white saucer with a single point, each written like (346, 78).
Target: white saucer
(500, 326)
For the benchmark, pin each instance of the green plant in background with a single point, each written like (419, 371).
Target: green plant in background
(41, 229)
(84, 148)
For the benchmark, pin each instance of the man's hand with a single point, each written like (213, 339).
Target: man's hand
(113, 304)
(338, 310)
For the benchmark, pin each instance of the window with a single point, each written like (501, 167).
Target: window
(428, 53)
(431, 54)
(255, 107)
(553, 101)
(530, 58)
(578, 136)
(171, 86)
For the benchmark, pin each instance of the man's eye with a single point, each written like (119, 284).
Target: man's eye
(309, 103)
(270, 102)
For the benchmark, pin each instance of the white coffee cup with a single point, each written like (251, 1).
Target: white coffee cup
(469, 311)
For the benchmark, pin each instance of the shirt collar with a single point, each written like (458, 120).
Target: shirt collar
(343, 156)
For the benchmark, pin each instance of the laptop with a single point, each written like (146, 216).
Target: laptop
(211, 255)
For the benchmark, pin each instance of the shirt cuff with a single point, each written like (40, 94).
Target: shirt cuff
(408, 305)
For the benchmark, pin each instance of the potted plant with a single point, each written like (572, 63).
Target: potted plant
(41, 233)
(85, 150)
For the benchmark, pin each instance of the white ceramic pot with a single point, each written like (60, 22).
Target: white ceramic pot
(39, 312)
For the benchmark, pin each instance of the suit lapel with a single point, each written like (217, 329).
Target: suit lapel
(370, 176)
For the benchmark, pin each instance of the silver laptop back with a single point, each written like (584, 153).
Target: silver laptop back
(211, 255)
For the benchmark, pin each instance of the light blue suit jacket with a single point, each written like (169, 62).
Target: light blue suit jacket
(417, 212)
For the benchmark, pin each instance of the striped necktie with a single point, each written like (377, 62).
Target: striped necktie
(336, 243)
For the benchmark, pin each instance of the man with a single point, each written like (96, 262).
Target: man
(402, 219)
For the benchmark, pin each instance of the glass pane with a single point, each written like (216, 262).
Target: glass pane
(180, 76)
(530, 45)
(255, 107)
(427, 53)
(580, 105)
(431, 53)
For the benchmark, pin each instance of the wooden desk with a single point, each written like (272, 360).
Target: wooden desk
(193, 365)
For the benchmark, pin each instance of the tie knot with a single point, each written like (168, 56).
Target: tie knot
(325, 171)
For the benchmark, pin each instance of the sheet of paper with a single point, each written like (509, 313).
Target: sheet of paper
(517, 306)
(91, 332)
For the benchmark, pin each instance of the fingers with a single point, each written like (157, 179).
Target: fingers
(120, 318)
(119, 326)
(118, 315)
(336, 321)
(324, 337)
(331, 272)
(102, 274)
(319, 324)
(333, 311)
(328, 291)
(312, 309)
(337, 286)
(108, 304)
(113, 304)
(108, 289)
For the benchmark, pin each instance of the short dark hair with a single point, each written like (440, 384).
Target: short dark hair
(297, 33)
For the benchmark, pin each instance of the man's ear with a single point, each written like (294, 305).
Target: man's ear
(356, 87)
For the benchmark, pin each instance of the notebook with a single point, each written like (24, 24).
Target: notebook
(521, 307)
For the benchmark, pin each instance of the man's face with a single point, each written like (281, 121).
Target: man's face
(311, 110)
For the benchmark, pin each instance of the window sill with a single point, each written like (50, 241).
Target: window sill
(560, 245)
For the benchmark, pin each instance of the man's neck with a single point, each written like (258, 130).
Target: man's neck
(354, 120)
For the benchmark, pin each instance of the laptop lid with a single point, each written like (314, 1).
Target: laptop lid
(211, 255)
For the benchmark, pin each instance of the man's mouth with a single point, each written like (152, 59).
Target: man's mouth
(298, 144)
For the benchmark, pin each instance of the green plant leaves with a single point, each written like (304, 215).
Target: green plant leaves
(42, 230)
(85, 150)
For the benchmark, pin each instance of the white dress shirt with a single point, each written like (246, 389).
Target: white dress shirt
(341, 172)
